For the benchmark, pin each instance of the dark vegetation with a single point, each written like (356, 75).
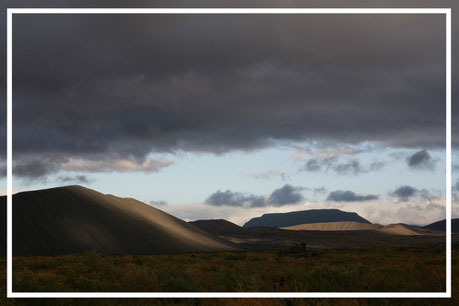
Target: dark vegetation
(367, 270)
(358, 270)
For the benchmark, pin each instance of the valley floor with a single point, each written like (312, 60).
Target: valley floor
(361, 270)
(395, 269)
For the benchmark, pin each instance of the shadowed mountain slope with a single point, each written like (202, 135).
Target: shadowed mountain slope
(74, 219)
(218, 226)
(305, 217)
(441, 226)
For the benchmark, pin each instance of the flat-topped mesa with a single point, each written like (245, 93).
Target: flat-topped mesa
(305, 217)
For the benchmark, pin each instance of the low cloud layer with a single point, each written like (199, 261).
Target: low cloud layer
(158, 203)
(34, 168)
(350, 196)
(77, 179)
(405, 193)
(267, 175)
(286, 195)
(351, 167)
(40, 167)
(129, 164)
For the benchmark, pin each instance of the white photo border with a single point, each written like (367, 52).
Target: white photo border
(12, 11)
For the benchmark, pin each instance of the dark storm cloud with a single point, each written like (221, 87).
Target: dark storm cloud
(87, 85)
(405, 193)
(420, 160)
(350, 196)
(287, 194)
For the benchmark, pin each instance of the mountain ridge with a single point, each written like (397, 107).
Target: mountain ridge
(217, 226)
(73, 219)
(441, 225)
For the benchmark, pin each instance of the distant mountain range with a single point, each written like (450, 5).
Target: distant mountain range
(441, 226)
(305, 217)
(76, 219)
(222, 227)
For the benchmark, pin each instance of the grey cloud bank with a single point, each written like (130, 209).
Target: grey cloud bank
(120, 84)
(99, 94)
(40, 166)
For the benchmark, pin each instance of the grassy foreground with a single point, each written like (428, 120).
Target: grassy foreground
(360, 270)
(399, 269)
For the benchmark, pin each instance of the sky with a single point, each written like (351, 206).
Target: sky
(233, 116)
